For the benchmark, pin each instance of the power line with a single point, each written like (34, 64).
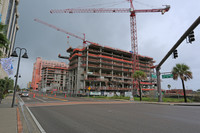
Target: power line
(109, 4)
(144, 4)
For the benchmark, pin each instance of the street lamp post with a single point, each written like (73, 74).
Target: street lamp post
(14, 54)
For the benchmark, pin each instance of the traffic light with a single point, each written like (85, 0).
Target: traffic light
(191, 37)
(175, 53)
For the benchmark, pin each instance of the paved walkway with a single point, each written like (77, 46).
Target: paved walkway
(8, 116)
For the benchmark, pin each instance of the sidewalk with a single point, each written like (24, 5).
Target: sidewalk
(8, 116)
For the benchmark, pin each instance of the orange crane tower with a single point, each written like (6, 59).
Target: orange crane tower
(131, 10)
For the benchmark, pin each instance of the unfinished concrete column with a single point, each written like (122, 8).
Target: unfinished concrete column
(112, 67)
(122, 77)
(71, 80)
(100, 71)
(87, 63)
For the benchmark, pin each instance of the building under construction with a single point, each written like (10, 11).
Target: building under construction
(49, 74)
(105, 69)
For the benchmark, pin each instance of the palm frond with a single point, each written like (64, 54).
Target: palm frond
(139, 75)
(182, 71)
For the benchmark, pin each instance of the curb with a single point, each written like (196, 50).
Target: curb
(171, 104)
(19, 123)
(34, 119)
(187, 104)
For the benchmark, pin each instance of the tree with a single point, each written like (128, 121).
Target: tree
(4, 43)
(169, 86)
(18, 88)
(2, 89)
(183, 72)
(5, 85)
(139, 76)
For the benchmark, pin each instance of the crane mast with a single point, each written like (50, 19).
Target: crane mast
(133, 28)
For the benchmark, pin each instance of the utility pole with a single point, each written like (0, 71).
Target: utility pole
(190, 29)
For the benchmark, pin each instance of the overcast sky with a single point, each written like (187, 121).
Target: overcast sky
(156, 33)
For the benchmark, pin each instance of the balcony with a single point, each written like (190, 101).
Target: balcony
(93, 65)
(93, 60)
(106, 75)
(73, 66)
(118, 64)
(106, 67)
(107, 62)
(126, 65)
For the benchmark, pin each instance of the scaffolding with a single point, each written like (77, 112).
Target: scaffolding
(104, 68)
(54, 68)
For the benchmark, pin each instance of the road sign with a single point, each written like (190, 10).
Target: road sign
(89, 88)
(167, 76)
(153, 76)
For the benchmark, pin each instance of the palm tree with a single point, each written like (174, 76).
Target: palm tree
(182, 71)
(4, 43)
(169, 86)
(139, 76)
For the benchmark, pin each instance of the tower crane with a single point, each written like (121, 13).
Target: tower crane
(66, 32)
(131, 10)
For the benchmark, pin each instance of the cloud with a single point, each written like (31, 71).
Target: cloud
(156, 33)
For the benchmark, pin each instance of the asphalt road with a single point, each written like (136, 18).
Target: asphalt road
(118, 118)
(50, 98)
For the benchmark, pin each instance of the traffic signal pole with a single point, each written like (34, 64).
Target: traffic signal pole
(158, 67)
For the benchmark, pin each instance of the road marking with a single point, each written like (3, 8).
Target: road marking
(28, 98)
(36, 122)
(56, 98)
(40, 99)
(22, 104)
(34, 119)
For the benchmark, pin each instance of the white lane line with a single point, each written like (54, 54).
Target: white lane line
(40, 99)
(36, 122)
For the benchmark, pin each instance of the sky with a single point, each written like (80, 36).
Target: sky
(156, 33)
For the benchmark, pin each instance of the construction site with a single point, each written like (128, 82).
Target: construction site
(97, 68)
(103, 69)
(49, 75)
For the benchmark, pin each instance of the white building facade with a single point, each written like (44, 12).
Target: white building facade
(9, 16)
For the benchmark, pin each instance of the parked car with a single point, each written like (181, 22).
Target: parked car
(25, 94)
(20, 93)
